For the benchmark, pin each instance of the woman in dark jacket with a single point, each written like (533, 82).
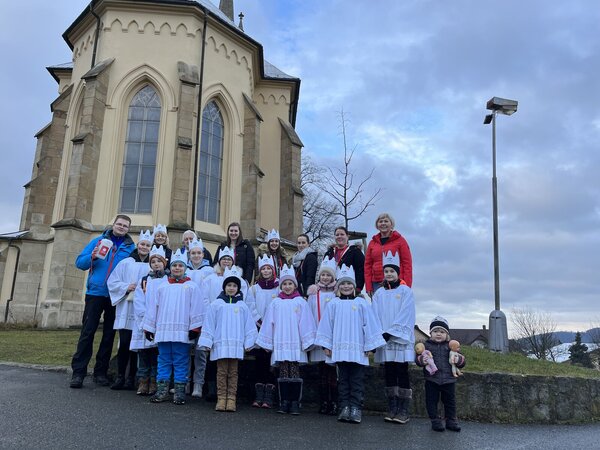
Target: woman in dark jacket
(306, 263)
(244, 253)
(350, 255)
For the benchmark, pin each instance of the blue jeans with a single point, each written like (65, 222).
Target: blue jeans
(173, 356)
(147, 361)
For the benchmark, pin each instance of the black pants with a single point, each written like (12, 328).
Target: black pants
(126, 357)
(433, 392)
(351, 384)
(396, 374)
(95, 306)
(262, 367)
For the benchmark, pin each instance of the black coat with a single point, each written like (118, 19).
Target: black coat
(244, 258)
(353, 257)
(306, 273)
(441, 357)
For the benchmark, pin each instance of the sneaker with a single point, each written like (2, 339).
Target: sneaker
(355, 415)
(344, 414)
(197, 393)
(452, 425)
(101, 380)
(437, 425)
(129, 384)
(76, 382)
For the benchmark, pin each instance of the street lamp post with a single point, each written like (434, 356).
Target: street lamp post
(498, 337)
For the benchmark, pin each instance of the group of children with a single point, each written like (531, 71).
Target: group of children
(168, 303)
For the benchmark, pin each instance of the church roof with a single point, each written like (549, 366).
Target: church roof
(269, 71)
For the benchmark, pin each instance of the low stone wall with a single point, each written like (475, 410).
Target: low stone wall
(481, 397)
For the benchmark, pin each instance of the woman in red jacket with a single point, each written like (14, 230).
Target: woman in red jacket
(386, 240)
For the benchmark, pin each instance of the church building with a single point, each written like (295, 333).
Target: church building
(168, 113)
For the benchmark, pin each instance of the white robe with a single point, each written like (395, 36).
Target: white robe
(395, 310)
(213, 286)
(138, 340)
(317, 304)
(288, 330)
(126, 272)
(199, 275)
(173, 310)
(259, 299)
(228, 330)
(349, 328)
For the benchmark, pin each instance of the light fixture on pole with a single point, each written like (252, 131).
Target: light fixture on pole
(498, 337)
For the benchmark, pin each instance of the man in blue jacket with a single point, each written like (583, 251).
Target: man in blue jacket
(97, 301)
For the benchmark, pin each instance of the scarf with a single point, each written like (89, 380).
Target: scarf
(268, 284)
(291, 296)
(299, 257)
(326, 287)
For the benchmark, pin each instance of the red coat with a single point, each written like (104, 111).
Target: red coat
(374, 255)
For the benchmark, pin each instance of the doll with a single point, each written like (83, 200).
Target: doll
(454, 349)
(431, 367)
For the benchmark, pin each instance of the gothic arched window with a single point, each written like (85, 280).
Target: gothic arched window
(139, 165)
(211, 163)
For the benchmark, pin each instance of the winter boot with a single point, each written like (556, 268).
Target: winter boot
(221, 387)
(152, 386)
(268, 398)
(324, 398)
(332, 407)
(143, 386)
(221, 403)
(119, 383)
(197, 393)
(391, 393)
(179, 397)
(452, 425)
(404, 398)
(437, 425)
(295, 395)
(162, 392)
(259, 389)
(284, 399)
(129, 384)
(232, 383)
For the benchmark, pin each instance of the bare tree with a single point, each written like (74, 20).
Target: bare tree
(347, 190)
(535, 330)
(319, 211)
(594, 332)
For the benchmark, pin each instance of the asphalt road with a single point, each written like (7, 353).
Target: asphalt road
(38, 410)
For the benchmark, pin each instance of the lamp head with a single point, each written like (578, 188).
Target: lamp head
(502, 105)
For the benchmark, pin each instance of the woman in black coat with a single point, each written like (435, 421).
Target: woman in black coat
(350, 255)
(306, 263)
(244, 253)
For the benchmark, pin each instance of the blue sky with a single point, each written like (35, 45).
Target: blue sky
(413, 77)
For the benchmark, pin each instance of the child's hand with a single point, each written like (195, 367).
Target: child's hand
(131, 287)
(327, 352)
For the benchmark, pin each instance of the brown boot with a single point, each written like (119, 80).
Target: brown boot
(221, 404)
(232, 382)
(221, 385)
(143, 387)
(152, 386)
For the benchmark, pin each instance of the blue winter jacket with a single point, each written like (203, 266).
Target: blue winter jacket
(100, 269)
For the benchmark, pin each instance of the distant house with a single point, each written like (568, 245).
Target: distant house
(471, 337)
(420, 335)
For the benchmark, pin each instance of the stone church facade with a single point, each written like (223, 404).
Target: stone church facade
(168, 113)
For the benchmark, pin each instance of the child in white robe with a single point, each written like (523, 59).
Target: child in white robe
(174, 315)
(394, 305)
(348, 331)
(199, 269)
(121, 286)
(288, 331)
(211, 288)
(146, 350)
(260, 296)
(228, 331)
(319, 296)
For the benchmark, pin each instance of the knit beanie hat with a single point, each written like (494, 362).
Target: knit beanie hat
(439, 322)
